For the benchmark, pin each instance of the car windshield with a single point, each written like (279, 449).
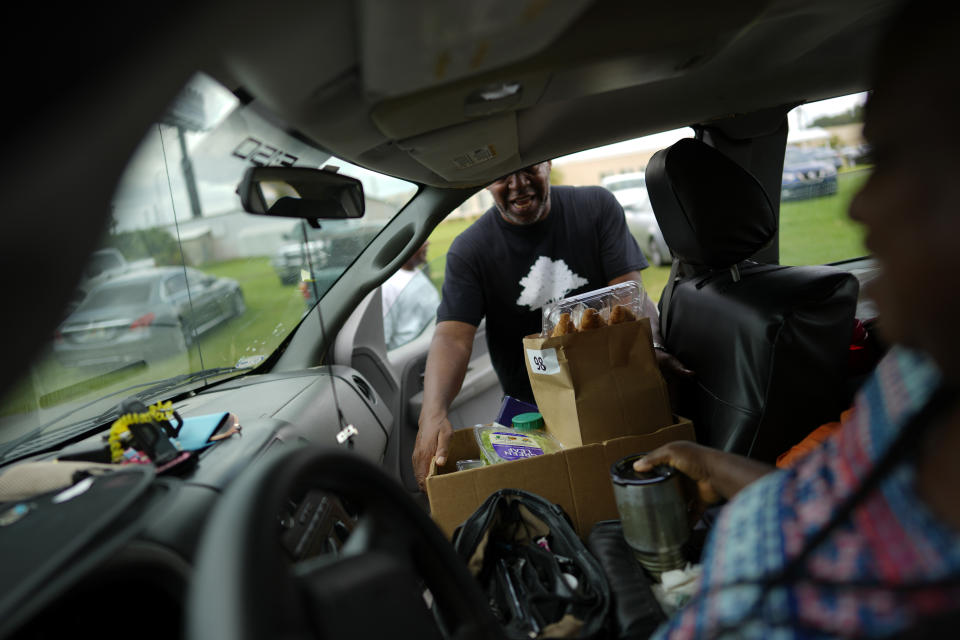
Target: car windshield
(185, 281)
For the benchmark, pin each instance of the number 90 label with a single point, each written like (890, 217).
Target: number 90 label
(543, 362)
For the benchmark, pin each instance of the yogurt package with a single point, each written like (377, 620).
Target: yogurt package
(504, 444)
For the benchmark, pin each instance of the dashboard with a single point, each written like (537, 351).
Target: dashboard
(114, 556)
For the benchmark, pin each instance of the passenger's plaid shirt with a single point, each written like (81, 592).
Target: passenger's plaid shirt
(892, 539)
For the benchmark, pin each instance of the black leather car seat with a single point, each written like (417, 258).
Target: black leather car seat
(768, 343)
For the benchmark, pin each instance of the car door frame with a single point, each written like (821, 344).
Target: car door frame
(397, 378)
(347, 300)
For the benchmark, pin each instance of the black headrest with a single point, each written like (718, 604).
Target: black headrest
(711, 210)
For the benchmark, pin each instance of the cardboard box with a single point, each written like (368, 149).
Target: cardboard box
(578, 479)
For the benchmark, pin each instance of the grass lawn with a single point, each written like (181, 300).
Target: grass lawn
(818, 231)
(273, 310)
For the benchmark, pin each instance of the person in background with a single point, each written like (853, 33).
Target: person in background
(861, 537)
(409, 301)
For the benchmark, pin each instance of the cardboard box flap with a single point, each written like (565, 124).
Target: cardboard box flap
(457, 494)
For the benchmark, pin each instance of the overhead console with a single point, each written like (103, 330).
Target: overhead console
(494, 77)
(459, 120)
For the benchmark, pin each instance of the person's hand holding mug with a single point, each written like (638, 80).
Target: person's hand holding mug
(718, 475)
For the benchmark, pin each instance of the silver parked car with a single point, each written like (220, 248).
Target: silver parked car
(294, 256)
(145, 316)
(644, 227)
(326, 253)
(807, 174)
(630, 190)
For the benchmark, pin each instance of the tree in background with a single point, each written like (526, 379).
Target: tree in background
(154, 243)
(852, 116)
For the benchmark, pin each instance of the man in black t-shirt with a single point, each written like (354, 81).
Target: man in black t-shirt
(537, 245)
(508, 272)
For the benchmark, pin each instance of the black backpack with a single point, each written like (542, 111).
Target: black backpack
(541, 580)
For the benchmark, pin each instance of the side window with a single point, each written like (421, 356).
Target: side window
(410, 299)
(825, 164)
(403, 291)
(446, 232)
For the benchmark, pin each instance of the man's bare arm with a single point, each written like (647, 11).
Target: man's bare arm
(446, 367)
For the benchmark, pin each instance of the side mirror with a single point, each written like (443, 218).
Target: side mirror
(300, 192)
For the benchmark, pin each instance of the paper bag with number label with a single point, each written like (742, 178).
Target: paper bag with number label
(596, 385)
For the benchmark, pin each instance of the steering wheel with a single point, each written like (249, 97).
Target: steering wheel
(246, 586)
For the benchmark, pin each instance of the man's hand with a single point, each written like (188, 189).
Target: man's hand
(674, 373)
(688, 458)
(433, 438)
(446, 366)
(718, 474)
(670, 367)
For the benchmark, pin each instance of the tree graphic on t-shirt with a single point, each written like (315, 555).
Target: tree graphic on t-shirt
(548, 281)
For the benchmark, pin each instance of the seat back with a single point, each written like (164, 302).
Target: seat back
(768, 343)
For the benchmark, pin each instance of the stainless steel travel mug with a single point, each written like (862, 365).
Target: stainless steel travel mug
(653, 512)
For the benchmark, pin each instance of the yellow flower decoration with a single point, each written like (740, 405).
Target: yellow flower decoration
(159, 412)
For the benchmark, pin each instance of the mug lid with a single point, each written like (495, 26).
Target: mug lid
(622, 472)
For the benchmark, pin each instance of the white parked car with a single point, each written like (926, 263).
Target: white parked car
(630, 190)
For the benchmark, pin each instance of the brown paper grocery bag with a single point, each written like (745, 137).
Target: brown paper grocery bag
(600, 384)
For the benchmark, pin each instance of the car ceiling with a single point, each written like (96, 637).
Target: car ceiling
(398, 87)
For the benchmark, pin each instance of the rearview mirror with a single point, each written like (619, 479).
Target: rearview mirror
(300, 192)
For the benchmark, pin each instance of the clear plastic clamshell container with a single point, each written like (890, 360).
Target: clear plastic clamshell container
(504, 444)
(611, 305)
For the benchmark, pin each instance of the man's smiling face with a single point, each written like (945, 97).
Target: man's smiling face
(523, 197)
